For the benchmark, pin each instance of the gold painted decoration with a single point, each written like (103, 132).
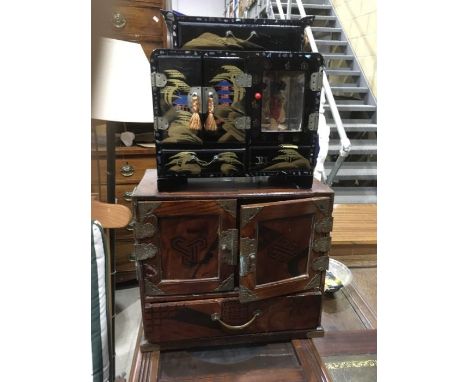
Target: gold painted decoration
(209, 40)
(289, 159)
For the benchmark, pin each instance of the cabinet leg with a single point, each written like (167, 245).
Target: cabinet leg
(171, 184)
(302, 181)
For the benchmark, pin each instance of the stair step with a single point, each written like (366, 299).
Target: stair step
(323, 17)
(331, 42)
(338, 56)
(356, 127)
(317, 17)
(306, 6)
(352, 107)
(350, 89)
(326, 29)
(356, 195)
(342, 72)
(354, 170)
(358, 146)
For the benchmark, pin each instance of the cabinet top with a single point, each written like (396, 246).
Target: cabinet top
(221, 188)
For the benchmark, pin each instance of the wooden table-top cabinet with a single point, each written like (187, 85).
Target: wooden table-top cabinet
(232, 260)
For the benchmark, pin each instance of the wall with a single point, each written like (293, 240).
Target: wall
(213, 8)
(359, 21)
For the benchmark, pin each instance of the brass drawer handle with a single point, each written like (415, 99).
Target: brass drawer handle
(128, 196)
(132, 257)
(118, 20)
(127, 170)
(216, 317)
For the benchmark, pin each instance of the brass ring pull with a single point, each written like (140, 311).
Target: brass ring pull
(118, 20)
(127, 170)
(128, 196)
(216, 317)
(231, 34)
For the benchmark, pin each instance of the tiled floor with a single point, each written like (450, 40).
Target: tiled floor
(127, 321)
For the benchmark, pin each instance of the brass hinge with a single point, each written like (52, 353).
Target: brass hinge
(247, 258)
(228, 244)
(161, 123)
(316, 80)
(158, 80)
(313, 121)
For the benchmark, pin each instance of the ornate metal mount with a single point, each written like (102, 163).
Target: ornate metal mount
(320, 263)
(145, 251)
(325, 225)
(228, 246)
(247, 258)
(322, 244)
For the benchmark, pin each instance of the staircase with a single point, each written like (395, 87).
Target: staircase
(356, 181)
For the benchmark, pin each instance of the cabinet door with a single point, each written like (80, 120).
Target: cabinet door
(186, 247)
(283, 247)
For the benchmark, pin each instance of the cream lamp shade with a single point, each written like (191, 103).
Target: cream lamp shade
(121, 89)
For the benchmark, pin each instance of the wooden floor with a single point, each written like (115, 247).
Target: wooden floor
(354, 235)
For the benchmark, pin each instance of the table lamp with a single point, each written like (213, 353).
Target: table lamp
(121, 92)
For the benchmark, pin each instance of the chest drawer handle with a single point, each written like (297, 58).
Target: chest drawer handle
(216, 317)
(127, 170)
(118, 20)
(128, 196)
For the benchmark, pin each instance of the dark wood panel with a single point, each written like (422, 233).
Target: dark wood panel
(311, 361)
(278, 251)
(191, 254)
(346, 342)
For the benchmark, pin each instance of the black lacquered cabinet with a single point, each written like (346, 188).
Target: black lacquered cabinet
(235, 113)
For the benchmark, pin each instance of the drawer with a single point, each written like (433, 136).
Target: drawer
(134, 21)
(211, 318)
(123, 193)
(123, 253)
(127, 170)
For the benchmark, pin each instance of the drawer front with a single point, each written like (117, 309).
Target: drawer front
(127, 170)
(133, 22)
(211, 318)
(123, 256)
(123, 193)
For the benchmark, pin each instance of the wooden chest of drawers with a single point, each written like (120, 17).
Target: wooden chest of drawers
(130, 165)
(230, 261)
(138, 21)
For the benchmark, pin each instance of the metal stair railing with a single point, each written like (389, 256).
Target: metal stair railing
(323, 130)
